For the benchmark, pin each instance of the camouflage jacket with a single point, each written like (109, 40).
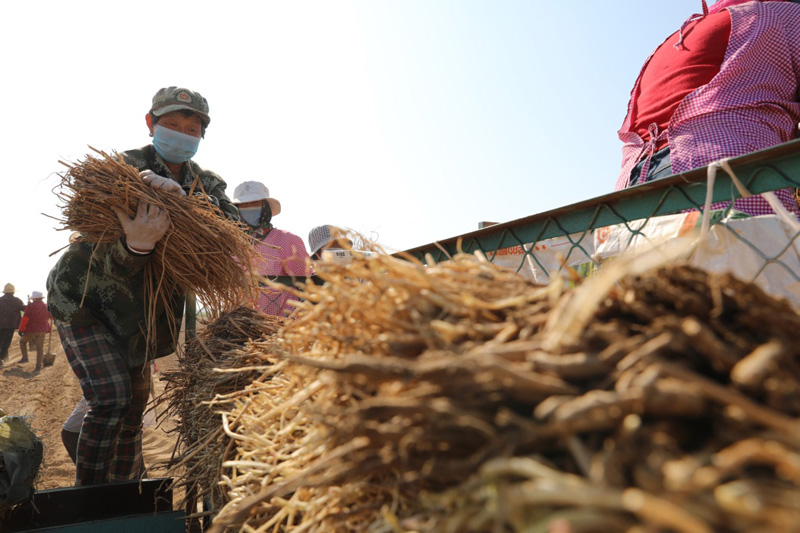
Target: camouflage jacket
(146, 158)
(114, 294)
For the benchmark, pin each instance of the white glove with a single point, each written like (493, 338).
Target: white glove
(143, 232)
(160, 183)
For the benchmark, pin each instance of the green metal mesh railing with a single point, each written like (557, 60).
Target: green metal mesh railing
(582, 235)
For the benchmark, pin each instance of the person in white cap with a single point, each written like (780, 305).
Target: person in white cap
(34, 327)
(11, 309)
(281, 253)
(327, 237)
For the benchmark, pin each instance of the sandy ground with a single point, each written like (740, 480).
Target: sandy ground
(49, 396)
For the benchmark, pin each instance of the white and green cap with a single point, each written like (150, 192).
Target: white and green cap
(322, 235)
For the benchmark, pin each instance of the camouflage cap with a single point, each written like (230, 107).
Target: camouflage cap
(174, 98)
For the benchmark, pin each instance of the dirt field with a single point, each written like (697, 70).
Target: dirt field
(49, 396)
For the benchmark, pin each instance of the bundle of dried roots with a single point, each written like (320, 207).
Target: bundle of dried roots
(406, 397)
(213, 365)
(201, 253)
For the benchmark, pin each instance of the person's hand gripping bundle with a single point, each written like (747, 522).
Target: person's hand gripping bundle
(151, 221)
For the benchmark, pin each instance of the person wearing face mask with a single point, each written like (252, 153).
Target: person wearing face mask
(177, 121)
(280, 253)
(96, 294)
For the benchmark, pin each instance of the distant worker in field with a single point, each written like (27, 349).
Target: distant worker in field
(281, 253)
(33, 328)
(11, 309)
(723, 85)
(96, 294)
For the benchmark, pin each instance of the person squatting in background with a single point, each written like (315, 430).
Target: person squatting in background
(101, 313)
(71, 429)
(33, 328)
(280, 252)
(723, 85)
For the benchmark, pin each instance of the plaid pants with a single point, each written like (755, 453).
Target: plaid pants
(110, 443)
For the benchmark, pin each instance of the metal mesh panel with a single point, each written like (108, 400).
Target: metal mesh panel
(543, 246)
(582, 235)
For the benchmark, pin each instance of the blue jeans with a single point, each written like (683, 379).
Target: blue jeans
(660, 167)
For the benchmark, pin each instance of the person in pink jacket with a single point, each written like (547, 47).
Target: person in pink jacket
(281, 253)
(34, 327)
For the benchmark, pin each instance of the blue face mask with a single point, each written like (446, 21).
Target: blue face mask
(174, 146)
(251, 215)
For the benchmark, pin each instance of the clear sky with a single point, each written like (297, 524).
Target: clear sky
(406, 120)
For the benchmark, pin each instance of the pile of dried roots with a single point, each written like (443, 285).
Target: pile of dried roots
(201, 253)
(213, 364)
(459, 397)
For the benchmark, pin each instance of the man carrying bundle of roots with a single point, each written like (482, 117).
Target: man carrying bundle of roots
(96, 295)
